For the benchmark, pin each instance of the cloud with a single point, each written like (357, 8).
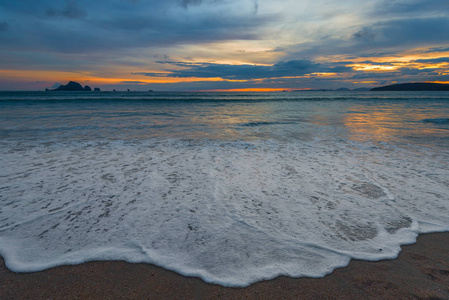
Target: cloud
(256, 7)
(380, 38)
(413, 71)
(3, 26)
(241, 72)
(162, 31)
(413, 31)
(317, 36)
(124, 24)
(437, 49)
(71, 10)
(187, 3)
(290, 68)
(433, 60)
(409, 7)
(364, 33)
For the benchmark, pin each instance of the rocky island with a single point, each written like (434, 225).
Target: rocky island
(73, 86)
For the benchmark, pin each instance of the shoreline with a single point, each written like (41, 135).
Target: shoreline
(421, 271)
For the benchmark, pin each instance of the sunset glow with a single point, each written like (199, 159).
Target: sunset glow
(222, 45)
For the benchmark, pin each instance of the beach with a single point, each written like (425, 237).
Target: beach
(230, 189)
(420, 272)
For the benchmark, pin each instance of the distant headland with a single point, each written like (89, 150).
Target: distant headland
(73, 86)
(416, 86)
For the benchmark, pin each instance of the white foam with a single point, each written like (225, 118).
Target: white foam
(231, 213)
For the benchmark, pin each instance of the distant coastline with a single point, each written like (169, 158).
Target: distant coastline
(73, 86)
(416, 86)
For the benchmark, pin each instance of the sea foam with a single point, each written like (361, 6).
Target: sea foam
(232, 213)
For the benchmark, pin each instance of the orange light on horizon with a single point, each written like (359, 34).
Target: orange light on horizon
(251, 90)
(441, 82)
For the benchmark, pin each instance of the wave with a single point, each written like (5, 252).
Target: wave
(232, 213)
(199, 97)
(437, 121)
(263, 123)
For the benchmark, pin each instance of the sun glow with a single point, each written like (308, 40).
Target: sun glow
(371, 68)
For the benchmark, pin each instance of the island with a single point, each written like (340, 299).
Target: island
(73, 86)
(415, 86)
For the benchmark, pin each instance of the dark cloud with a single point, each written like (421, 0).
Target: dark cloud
(241, 72)
(71, 10)
(201, 28)
(187, 3)
(398, 34)
(3, 26)
(409, 7)
(437, 49)
(130, 23)
(290, 68)
(370, 62)
(375, 75)
(364, 33)
(413, 71)
(414, 32)
(401, 34)
(313, 82)
(256, 7)
(433, 60)
(338, 68)
(378, 39)
(121, 24)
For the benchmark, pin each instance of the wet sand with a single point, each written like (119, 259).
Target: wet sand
(420, 272)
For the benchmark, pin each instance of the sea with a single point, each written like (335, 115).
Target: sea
(233, 188)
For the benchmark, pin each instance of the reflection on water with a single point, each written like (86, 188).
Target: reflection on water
(227, 121)
(389, 122)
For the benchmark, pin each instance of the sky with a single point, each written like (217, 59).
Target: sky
(236, 45)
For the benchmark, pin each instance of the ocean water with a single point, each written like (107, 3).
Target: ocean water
(230, 187)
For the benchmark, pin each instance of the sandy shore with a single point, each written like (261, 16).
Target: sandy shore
(420, 272)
